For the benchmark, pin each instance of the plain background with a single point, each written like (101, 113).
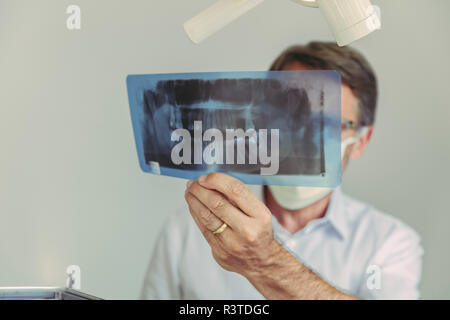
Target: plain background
(71, 191)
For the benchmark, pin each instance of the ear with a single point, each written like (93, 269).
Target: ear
(361, 144)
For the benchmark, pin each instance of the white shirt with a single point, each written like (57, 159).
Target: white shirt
(354, 247)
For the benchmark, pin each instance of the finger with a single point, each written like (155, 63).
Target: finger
(236, 191)
(219, 205)
(207, 234)
(204, 215)
(217, 242)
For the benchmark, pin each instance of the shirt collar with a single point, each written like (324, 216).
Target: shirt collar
(335, 214)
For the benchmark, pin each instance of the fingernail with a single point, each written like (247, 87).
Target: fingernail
(189, 183)
(202, 178)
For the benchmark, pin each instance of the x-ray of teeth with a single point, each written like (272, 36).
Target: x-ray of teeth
(265, 127)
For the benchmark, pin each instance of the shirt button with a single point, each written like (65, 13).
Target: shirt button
(290, 243)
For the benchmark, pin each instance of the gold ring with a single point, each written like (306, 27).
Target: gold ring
(220, 230)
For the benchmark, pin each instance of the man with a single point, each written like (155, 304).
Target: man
(247, 242)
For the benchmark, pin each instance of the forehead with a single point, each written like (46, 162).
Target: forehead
(348, 99)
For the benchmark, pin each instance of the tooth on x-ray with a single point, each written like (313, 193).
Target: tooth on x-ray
(268, 123)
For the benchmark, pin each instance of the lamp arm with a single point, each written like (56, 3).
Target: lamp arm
(308, 3)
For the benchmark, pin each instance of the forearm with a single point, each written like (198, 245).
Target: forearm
(284, 277)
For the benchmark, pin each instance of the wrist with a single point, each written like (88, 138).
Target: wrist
(269, 261)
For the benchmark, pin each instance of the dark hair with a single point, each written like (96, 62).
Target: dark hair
(354, 69)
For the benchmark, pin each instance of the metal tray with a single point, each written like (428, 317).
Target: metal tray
(43, 293)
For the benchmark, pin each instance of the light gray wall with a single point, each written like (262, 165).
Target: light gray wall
(71, 191)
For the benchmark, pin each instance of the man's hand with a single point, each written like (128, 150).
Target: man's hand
(247, 245)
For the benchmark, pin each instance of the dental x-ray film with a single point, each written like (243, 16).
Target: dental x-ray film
(264, 127)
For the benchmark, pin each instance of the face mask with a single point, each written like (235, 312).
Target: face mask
(293, 198)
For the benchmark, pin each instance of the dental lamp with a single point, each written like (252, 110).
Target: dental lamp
(349, 20)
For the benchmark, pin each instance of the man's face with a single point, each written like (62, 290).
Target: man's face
(349, 112)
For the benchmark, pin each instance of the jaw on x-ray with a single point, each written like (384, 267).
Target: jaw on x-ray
(272, 128)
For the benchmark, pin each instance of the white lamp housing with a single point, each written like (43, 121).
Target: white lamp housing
(349, 20)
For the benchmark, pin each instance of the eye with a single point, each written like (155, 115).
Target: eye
(348, 124)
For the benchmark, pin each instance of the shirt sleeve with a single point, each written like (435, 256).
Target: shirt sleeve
(161, 280)
(394, 272)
